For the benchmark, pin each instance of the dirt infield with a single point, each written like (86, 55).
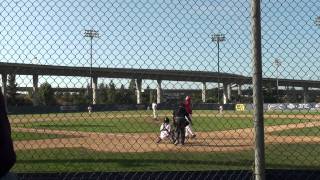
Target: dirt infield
(218, 141)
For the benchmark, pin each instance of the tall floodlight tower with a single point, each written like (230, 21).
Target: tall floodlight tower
(91, 34)
(217, 38)
(277, 63)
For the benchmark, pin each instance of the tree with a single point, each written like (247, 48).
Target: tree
(212, 95)
(132, 92)
(152, 96)
(121, 95)
(112, 93)
(46, 94)
(101, 87)
(103, 93)
(132, 85)
(12, 89)
(196, 97)
(88, 94)
(146, 95)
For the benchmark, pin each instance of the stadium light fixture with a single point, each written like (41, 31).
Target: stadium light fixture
(317, 21)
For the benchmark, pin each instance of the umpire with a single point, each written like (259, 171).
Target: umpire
(180, 122)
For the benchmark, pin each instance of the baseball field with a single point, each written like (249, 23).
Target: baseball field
(125, 141)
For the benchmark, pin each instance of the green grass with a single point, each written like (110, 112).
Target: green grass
(80, 160)
(294, 112)
(20, 136)
(292, 156)
(278, 156)
(144, 124)
(312, 131)
(142, 115)
(219, 124)
(98, 125)
(288, 156)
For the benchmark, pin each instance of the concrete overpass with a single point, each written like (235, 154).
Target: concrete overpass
(153, 74)
(138, 74)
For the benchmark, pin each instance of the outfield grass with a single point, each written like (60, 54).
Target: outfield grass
(138, 125)
(311, 131)
(294, 112)
(139, 120)
(284, 156)
(137, 113)
(148, 113)
(20, 136)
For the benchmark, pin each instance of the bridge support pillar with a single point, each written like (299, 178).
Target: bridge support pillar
(159, 91)
(138, 90)
(229, 90)
(239, 90)
(203, 94)
(226, 93)
(305, 95)
(35, 81)
(94, 89)
(4, 87)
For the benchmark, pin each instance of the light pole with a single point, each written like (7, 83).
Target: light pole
(277, 62)
(91, 34)
(317, 21)
(217, 38)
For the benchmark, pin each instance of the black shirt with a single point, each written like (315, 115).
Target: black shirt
(7, 154)
(180, 112)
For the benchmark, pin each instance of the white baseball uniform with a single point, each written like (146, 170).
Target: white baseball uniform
(165, 130)
(154, 108)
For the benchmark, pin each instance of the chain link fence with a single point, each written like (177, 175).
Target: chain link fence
(88, 85)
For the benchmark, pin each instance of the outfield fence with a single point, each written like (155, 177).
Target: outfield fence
(88, 83)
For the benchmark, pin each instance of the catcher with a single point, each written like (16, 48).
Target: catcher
(166, 131)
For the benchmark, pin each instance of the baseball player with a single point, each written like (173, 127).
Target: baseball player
(165, 131)
(90, 109)
(154, 109)
(187, 105)
(220, 109)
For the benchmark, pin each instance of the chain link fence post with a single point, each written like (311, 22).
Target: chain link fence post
(257, 91)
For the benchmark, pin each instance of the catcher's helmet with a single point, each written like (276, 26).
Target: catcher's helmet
(166, 120)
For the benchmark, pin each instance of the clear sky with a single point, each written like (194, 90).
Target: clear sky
(160, 34)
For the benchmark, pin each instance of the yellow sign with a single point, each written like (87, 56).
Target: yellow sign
(240, 107)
